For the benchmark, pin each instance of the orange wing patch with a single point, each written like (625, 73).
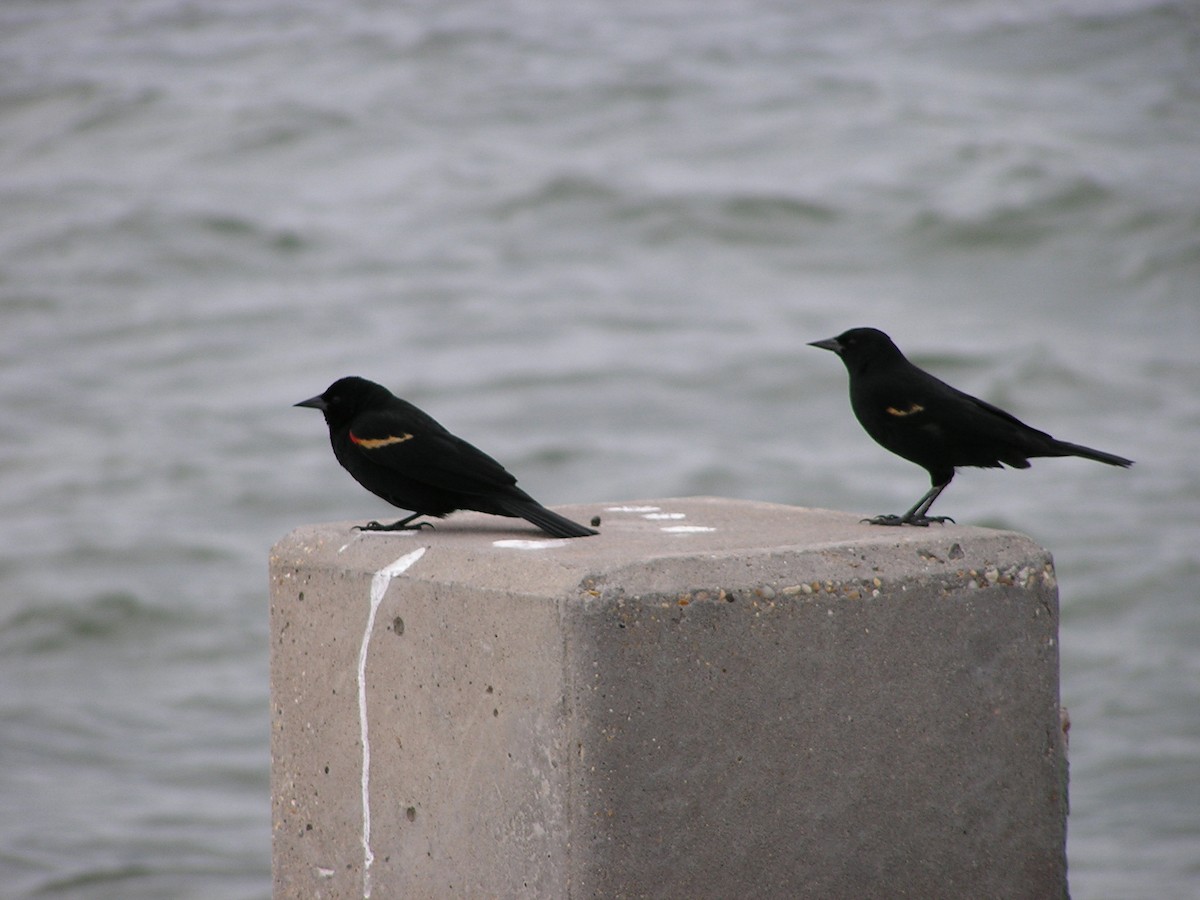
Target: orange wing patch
(376, 443)
(901, 413)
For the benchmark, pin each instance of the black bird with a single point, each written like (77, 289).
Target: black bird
(926, 421)
(403, 455)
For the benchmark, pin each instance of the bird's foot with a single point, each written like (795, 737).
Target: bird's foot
(919, 521)
(883, 520)
(926, 521)
(402, 525)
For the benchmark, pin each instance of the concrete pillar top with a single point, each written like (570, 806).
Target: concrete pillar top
(642, 543)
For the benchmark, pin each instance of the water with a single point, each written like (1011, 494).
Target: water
(593, 238)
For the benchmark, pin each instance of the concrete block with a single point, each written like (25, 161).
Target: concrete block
(712, 698)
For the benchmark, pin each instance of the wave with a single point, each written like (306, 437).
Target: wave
(48, 627)
(726, 215)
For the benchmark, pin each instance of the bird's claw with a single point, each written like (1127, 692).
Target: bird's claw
(919, 521)
(395, 526)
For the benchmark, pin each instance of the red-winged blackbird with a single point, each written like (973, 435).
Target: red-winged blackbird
(924, 420)
(401, 454)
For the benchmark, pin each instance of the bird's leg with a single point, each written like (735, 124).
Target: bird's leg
(402, 525)
(918, 514)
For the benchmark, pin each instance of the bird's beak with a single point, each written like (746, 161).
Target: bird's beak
(317, 402)
(828, 344)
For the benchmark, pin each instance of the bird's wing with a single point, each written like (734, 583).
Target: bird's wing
(923, 399)
(1010, 424)
(987, 435)
(415, 445)
(913, 410)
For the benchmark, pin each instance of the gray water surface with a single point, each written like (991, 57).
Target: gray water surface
(592, 238)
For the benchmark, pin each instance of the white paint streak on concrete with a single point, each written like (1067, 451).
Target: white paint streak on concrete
(636, 509)
(663, 515)
(528, 545)
(687, 529)
(379, 586)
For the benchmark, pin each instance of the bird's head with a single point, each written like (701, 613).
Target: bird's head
(343, 399)
(859, 347)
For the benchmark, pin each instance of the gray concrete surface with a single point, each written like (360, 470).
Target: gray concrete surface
(712, 698)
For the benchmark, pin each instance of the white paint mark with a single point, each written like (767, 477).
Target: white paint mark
(663, 515)
(379, 586)
(687, 529)
(638, 509)
(528, 545)
(324, 872)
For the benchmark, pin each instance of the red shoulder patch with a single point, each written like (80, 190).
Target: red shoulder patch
(376, 443)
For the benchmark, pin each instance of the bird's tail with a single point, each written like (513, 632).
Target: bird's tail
(1063, 448)
(547, 520)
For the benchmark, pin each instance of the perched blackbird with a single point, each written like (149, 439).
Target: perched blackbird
(401, 454)
(924, 420)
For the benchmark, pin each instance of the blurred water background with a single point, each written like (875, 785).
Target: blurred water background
(592, 238)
